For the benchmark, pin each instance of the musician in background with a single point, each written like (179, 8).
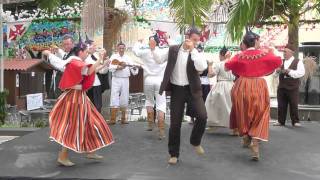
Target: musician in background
(290, 72)
(121, 67)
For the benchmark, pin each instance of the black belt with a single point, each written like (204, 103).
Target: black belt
(185, 86)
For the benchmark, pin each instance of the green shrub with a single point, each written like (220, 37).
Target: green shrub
(3, 102)
(40, 123)
(24, 124)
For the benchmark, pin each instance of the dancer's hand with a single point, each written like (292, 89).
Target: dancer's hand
(54, 49)
(189, 44)
(106, 62)
(286, 71)
(46, 52)
(102, 54)
(228, 55)
(152, 44)
(210, 71)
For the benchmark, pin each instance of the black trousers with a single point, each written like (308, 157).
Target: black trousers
(95, 95)
(54, 92)
(179, 96)
(205, 91)
(288, 97)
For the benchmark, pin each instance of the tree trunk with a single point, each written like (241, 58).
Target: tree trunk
(113, 21)
(293, 32)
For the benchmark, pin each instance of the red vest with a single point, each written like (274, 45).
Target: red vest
(72, 76)
(253, 63)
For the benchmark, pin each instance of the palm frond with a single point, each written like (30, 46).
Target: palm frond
(185, 10)
(249, 12)
(243, 13)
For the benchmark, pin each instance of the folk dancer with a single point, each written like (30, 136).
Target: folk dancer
(219, 103)
(153, 75)
(182, 78)
(250, 96)
(74, 121)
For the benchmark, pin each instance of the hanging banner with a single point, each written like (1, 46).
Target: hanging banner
(42, 35)
(15, 30)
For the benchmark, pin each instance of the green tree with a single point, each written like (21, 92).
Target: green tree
(251, 12)
(245, 13)
(53, 4)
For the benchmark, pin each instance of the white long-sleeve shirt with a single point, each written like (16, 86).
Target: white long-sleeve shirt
(123, 73)
(104, 70)
(151, 67)
(57, 62)
(179, 74)
(295, 73)
(61, 54)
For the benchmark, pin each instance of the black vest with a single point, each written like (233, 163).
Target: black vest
(192, 73)
(286, 82)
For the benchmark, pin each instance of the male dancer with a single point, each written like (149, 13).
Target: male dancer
(182, 79)
(153, 75)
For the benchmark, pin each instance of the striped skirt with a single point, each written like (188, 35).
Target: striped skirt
(77, 125)
(251, 107)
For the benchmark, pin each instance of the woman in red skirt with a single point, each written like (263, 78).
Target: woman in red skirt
(250, 96)
(74, 121)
